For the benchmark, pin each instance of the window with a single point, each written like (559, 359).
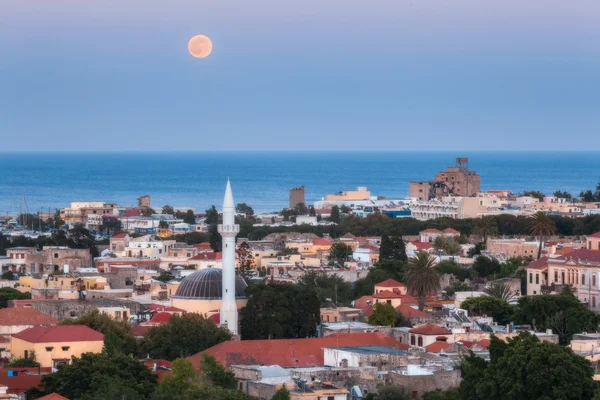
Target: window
(66, 348)
(530, 277)
(537, 279)
(49, 348)
(389, 301)
(594, 302)
(55, 255)
(26, 354)
(582, 279)
(593, 279)
(117, 314)
(412, 341)
(420, 341)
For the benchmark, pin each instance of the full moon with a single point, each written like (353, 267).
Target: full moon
(200, 46)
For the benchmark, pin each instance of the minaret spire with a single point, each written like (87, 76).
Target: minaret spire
(228, 230)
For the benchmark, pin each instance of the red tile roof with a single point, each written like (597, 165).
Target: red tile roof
(22, 382)
(541, 263)
(53, 396)
(119, 236)
(386, 294)
(390, 283)
(409, 300)
(363, 301)
(348, 236)
(59, 334)
(216, 318)
(291, 352)
(430, 329)
(437, 347)
(321, 242)
(160, 307)
(4, 339)
(208, 256)
(203, 245)
(25, 316)
(594, 235)
(430, 230)
(410, 312)
(582, 255)
(484, 343)
(161, 318)
(140, 330)
(421, 245)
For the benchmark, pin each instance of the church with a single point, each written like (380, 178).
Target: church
(217, 293)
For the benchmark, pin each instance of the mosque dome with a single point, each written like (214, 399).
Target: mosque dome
(207, 284)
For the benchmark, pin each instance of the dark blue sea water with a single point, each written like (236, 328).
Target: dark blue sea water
(197, 179)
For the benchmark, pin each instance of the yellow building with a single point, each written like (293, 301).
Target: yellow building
(361, 193)
(55, 345)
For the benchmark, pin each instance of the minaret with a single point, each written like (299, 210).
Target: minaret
(228, 230)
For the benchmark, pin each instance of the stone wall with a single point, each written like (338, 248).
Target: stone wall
(417, 385)
(260, 390)
(65, 309)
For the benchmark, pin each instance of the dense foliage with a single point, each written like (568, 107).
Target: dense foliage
(7, 294)
(524, 369)
(499, 309)
(183, 336)
(279, 311)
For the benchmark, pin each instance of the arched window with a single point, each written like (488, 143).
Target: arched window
(420, 341)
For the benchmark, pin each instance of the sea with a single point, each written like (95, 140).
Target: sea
(50, 180)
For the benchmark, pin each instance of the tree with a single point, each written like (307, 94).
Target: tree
(391, 392)
(526, 368)
(280, 311)
(183, 336)
(422, 277)
(215, 238)
(335, 215)
(92, 373)
(544, 312)
(456, 287)
(243, 208)
(542, 225)
(167, 209)
(486, 266)
(212, 216)
(9, 276)
(300, 209)
(216, 373)
(339, 253)
(105, 324)
(147, 211)
(176, 384)
(245, 261)
(452, 248)
(510, 267)
(500, 291)
(189, 217)
(282, 393)
(329, 288)
(450, 267)
(535, 193)
(81, 238)
(563, 195)
(7, 294)
(383, 315)
(24, 362)
(392, 249)
(493, 307)
(165, 276)
(452, 394)
(287, 251)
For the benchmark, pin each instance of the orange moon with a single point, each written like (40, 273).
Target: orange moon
(200, 46)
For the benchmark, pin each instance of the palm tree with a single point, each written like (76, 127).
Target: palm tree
(421, 276)
(453, 248)
(485, 227)
(542, 225)
(501, 291)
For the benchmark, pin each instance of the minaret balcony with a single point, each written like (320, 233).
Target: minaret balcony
(235, 228)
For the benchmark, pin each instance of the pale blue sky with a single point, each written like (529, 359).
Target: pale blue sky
(300, 75)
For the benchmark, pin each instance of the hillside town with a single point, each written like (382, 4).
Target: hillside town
(353, 297)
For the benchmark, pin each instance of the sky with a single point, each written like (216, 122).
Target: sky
(341, 75)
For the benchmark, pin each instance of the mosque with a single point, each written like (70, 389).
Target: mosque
(217, 293)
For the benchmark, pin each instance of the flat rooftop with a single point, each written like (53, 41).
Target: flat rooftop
(372, 350)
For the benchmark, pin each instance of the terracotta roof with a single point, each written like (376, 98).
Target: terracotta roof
(390, 283)
(322, 211)
(348, 236)
(4, 339)
(409, 300)
(409, 312)
(363, 301)
(149, 363)
(140, 330)
(430, 230)
(430, 329)
(119, 236)
(421, 245)
(594, 235)
(25, 316)
(437, 347)
(53, 396)
(582, 255)
(321, 242)
(203, 245)
(59, 334)
(450, 230)
(161, 318)
(208, 256)
(160, 307)
(22, 382)
(386, 294)
(291, 352)
(484, 343)
(541, 263)
(216, 318)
